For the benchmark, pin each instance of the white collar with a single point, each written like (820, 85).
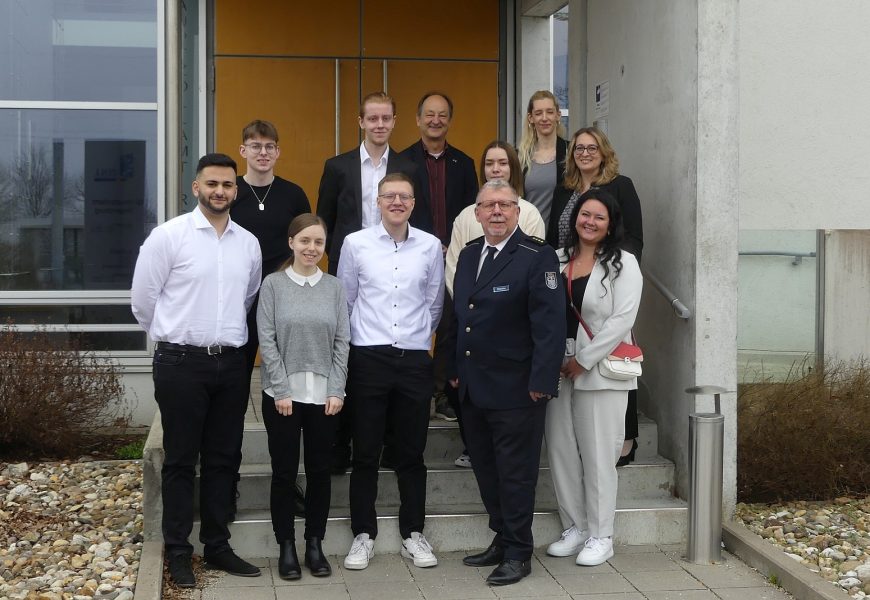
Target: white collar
(302, 279)
(365, 156)
(200, 221)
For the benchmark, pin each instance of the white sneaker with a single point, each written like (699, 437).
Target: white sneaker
(463, 461)
(595, 552)
(569, 544)
(360, 553)
(419, 550)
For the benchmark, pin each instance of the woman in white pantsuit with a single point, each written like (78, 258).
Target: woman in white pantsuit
(585, 424)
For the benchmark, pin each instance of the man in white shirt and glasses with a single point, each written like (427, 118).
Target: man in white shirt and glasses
(393, 275)
(195, 278)
(347, 201)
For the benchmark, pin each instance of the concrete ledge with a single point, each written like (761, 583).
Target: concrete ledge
(152, 464)
(149, 579)
(769, 560)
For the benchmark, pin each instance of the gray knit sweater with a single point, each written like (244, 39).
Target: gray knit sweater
(303, 328)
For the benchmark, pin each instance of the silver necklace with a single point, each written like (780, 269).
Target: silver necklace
(261, 203)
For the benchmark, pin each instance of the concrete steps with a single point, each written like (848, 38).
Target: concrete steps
(461, 527)
(647, 512)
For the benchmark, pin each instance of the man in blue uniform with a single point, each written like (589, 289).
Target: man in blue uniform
(510, 341)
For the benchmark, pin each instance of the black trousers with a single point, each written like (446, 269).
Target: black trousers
(202, 402)
(317, 430)
(505, 450)
(389, 386)
(631, 425)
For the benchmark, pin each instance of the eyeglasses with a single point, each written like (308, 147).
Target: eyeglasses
(389, 197)
(591, 149)
(256, 148)
(503, 205)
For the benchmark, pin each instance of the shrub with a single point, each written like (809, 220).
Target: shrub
(805, 438)
(54, 398)
(131, 451)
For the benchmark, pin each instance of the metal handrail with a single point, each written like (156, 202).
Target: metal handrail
(680, 309)
(797, 257)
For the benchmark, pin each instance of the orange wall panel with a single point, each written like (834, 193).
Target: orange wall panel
(466, 29)
(248, 89)
(287, 27)
(471, 86)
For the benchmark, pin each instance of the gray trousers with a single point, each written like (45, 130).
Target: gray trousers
(585, 431)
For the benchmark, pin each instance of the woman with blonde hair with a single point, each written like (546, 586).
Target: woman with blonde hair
(593, 164)
(542, 151)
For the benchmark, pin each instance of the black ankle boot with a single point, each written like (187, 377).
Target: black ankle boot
(315, 560)
(288, 561)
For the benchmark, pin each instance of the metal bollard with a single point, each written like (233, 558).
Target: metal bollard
(706, 442)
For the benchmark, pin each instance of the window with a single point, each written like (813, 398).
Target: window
(79, 130)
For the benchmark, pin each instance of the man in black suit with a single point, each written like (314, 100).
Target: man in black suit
(348, 201)
(448, 184)
(510, 341)
(348, 197)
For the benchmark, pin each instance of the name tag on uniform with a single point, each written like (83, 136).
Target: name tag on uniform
(501, 288)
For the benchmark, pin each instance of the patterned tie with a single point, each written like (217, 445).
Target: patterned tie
(487, 261)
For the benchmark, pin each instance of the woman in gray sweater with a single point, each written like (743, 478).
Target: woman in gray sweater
(302, 320)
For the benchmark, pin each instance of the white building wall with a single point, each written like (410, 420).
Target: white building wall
(847, 279)
(804, 147)
(804, 122)
(672, 119)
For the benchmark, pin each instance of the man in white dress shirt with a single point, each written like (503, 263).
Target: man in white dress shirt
(195, 278)
(393, 275)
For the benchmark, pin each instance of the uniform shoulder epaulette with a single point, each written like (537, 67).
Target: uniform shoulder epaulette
(535, 239)
(475, 240)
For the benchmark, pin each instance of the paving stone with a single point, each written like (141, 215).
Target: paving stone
(638, 563)
(455, 589)
(664, 581)
(382, 567)
(333, 591)
(627, 596)
(381, 590)
(682, 595)
(594, 583)
(566, 566)
(263, 593)
(756, 593)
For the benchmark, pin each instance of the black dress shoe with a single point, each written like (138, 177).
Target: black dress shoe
(288, 561)
(227, 561)
(509, 571)
(181, 572)
(491, 556)
(628, 458)
(315, 560)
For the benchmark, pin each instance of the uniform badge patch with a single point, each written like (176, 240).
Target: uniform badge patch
(550, 280)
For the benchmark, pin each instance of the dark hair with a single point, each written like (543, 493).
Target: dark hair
(397, 176)
(260, 128)
(428, 95)
(296, 225)
(376, 98)
(516, 178)
(608, 249)
(215, 160)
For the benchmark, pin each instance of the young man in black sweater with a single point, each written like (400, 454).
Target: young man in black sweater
(265, 205)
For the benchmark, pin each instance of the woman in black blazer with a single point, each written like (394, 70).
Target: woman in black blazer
(592, 163)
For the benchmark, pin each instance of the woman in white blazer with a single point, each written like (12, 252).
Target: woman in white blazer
(585, 424)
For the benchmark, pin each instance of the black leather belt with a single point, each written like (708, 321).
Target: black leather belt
(391, 350)
(210, 350)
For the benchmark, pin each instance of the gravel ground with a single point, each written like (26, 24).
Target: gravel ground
(73, 531)
(831, 539)
(70, 530)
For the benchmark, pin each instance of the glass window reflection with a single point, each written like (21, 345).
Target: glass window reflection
(79, 50)
(77, 197)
